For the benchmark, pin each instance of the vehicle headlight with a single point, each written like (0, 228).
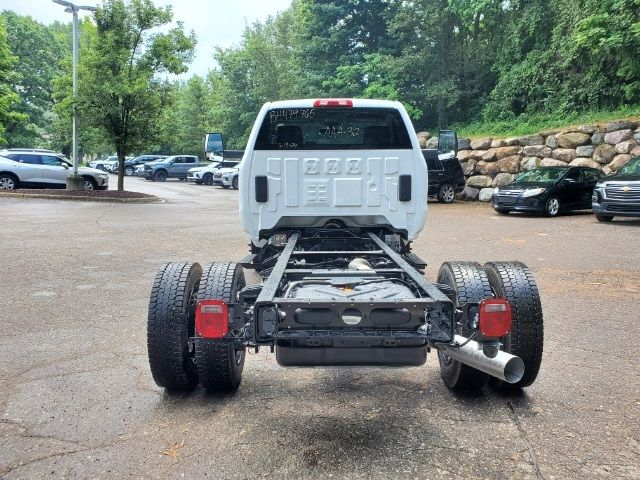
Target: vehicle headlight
(532, 192)
(104, 175)
(595, 198)
(495, 191)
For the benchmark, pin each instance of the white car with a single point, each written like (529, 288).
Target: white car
(28, 168)
(230, 177)
(102, 164)
(205, 175)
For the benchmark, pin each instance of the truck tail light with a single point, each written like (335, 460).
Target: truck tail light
(212, 319)
(333, 102)
(495, 317)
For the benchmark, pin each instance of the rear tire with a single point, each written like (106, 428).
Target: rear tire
(470, 284)
(446, 193)
(515, 282)
(170, 325)
(220, 362)
(604, 218)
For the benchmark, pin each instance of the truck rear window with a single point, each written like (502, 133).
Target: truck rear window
(333, 129)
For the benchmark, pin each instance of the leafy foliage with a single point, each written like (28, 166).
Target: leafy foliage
(121, 91)
(483, 65)
(8, 78)
(40, 50)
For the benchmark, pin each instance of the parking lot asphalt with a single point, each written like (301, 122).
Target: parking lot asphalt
(78, 401)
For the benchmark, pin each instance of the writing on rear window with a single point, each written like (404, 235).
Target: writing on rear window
(290, 113)
(336, 131)
(330, 128)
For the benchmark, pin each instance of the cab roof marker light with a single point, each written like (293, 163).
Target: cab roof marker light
(333, 102)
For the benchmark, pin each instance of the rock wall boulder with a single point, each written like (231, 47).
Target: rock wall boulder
(492, 162)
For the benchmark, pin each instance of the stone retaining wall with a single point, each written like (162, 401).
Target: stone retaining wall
(489, 162)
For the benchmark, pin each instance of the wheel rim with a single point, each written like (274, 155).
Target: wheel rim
(553, 206)
(208, 179)
(448, 193)
(234, 182)
(88, 185)
(128, 171)
(7, 183)
(161, 177)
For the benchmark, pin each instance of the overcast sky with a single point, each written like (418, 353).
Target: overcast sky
(216, 23)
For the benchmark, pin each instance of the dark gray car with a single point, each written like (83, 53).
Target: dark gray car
(176, 166)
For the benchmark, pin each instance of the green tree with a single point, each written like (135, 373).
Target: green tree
(121, 90)
(40, 50)
(8, 78)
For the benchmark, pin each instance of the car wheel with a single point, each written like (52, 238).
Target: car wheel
(220, 362)
(8, 182)
(170, 325)
(207, 179)
(234, 182)
(160, 176)
(469, 282)
(128, 171)
(89, 184)
(446, 193)
(552, 206)
(515, 282)
(604, 218)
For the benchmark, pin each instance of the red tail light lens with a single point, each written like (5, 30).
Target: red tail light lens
(495, 317)
(212, 319)
(333, 102)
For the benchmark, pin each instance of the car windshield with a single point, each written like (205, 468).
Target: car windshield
(542, 175)
(631, 168)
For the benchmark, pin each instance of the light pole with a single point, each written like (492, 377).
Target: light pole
(74, 9)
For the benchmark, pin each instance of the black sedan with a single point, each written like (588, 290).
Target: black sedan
(548, 190)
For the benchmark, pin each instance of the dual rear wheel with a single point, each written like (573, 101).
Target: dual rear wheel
(179, 360)
(471, 283)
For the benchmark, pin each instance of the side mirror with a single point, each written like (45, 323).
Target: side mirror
(447, 144)
(213, 144)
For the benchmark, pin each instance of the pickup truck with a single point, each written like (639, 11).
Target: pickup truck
(175, 166)
(332, 194)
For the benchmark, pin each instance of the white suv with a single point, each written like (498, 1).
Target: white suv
(31, 168)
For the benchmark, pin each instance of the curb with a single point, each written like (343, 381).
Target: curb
(84, 199)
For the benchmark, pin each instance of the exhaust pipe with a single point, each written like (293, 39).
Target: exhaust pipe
(504, 366)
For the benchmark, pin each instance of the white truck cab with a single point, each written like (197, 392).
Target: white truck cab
(309, 161)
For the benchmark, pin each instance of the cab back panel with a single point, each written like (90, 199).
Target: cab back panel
(358, 184)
